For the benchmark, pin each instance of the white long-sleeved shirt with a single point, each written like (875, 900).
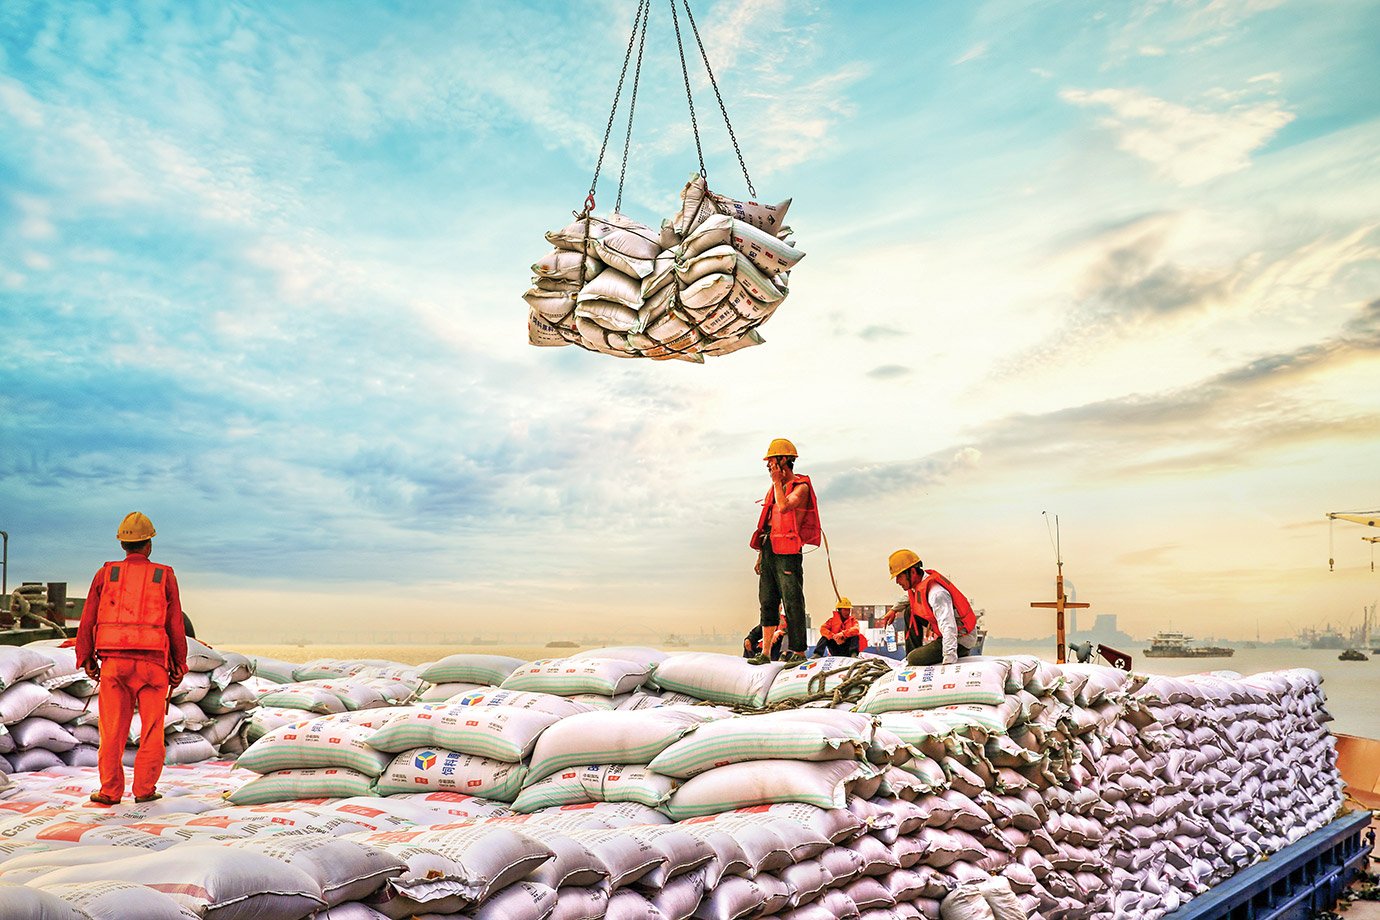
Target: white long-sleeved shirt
(942, 603)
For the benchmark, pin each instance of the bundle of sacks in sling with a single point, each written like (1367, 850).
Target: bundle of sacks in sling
(49, 709)
(698, 285)
(626, 783)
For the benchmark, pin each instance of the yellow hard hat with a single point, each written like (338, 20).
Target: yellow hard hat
(780, 447)
(901, 560)
(135, 528)
(844, 604)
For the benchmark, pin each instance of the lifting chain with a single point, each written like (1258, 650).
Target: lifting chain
(638, 37)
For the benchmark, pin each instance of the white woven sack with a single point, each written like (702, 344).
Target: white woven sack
(763, 782)
(346, 870)
(539, 702)
(568, 676)
(597, 815)
(212, 880)
(64, 673)
(499, 732)
(301, 695)
(192, 688)
(489, 670)
(433, 807)
(233, 669)
(180, 748)
(19, 700)
(232, 698)
(24, 903)
(440, 693)
(520, 901)
(573, 864)
(717, 678)
(287, 785)
(932, 686)
(625, 858)
(606, 737)
(314, 743)
(578, 903)
(727, 741)
(201, 657)
(18, 663)
(435, 769)
(119, 901)
(452, 869)
(36, 732)
(271, 669)
(999, 718)
(62, 708)
(596, 783)
(641, 654)
(794, 681)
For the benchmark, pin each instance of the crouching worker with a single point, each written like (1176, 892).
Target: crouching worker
(752, 643)
(935, 604)
(132, 640)
(840, 634)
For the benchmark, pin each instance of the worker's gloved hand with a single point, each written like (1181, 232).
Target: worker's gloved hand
(92, 668)
(175, 675)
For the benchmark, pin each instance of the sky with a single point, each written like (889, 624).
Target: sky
(261, 268)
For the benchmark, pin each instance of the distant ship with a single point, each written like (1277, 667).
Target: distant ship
(1353, 654)
(675, 641)
(1327, 637)
(1176, 645)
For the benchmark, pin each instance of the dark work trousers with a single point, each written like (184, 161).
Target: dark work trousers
(930, 652)
(782, 583)
(848, 647)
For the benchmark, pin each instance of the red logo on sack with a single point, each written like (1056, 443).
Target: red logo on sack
(470, 722)
(950, 686)
(475, 782)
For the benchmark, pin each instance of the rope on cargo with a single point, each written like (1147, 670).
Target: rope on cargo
(858, 678)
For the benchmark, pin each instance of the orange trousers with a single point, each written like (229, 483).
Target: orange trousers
(125, 683)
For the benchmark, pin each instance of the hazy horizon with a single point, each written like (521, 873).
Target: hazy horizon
(261, 269)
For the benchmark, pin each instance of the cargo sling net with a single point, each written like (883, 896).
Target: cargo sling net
(699, 285)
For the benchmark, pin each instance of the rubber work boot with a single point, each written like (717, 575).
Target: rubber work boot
(151, 797)
(100, 799)
(794, 658)
(759, 659)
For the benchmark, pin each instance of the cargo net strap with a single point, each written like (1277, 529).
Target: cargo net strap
(858, 677)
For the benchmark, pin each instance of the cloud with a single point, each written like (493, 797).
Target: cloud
(902, 477)
(890, 372)
(1188, 146)
(974, 53)
(880, 333)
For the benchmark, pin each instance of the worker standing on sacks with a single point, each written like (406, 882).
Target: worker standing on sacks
(789, 521)
(132, 640)
(935, 603)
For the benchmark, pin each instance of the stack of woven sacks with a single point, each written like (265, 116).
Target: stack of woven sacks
(1204, 775)
(49, 709)
(288, 693)
(698, 285)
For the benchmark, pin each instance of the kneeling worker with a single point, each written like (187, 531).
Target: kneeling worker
(840, 634)
(934, 603)
(132, 639)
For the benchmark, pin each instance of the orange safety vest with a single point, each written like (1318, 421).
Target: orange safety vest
(133, 613)
(790, 533)
(836, 629)
(920, 605)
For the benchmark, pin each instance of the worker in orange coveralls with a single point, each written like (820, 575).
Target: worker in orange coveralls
(840, 634)
(132, 640)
